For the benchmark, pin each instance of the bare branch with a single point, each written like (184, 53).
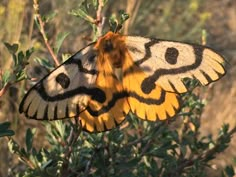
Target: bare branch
(4, 89)
(42, 31)
(100, 19)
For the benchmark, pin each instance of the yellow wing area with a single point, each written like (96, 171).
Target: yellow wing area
(107, 115)
(157, 105)
(100, 117)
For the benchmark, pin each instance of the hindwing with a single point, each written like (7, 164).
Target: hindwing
(156, 105)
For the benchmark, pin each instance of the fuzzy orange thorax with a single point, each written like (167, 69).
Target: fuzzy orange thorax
(111, 47)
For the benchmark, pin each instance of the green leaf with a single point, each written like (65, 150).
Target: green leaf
(47, 18)
(28, 53)
(146, 161)
(20, 75)
(11, 48)
(116, 22)
(123, 16)
(65, 56)
(129, 164)
(29, 138)
(6, 77)
(13, 146)
(61, 127)
(4, 125)
(224, 129)
(46, 164)
(44, 62)
(4, 129)
(95, 3)
(229, 170)
(20, 58)
(113, 22)
(105, 1)
(37, 23)
(59, 40)
(15, 60)
(83, 14)
(7, 133)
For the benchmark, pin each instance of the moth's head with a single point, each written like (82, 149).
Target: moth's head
(111, 46)
(110, 42)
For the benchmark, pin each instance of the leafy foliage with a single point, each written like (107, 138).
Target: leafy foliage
(4, 129)
(20, 60)
(141, 149)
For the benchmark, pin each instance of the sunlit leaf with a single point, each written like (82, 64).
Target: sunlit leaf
(44, 62)
(28, 53)
(123, 16)
(83, 14)
(29, 139)
(11, 48)
(6, 77)
(229, 170)
(4, 129)
(47, 18)
(59, 40)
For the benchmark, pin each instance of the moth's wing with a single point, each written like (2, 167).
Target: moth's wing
(158, 104)
(65, 91)
(167, 63)
(104, 116)
(81, 87)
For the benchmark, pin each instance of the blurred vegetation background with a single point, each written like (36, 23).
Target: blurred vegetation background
(197, 21)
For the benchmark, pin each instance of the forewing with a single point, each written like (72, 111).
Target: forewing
(167, 63)
(65, 91)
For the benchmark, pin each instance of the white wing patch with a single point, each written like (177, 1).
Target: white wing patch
(167, 63)
(65, 92)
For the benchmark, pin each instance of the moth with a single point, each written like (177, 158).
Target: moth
(106, 80)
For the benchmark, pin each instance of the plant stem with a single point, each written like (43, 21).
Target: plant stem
(42, 31)
(4, 89)
(100, 18)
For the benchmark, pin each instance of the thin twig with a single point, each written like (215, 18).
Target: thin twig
(100, 19)
(89, 163)
(4, 89)
(27, 161)
(146, 147)
(42, 31)
(73, 137)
